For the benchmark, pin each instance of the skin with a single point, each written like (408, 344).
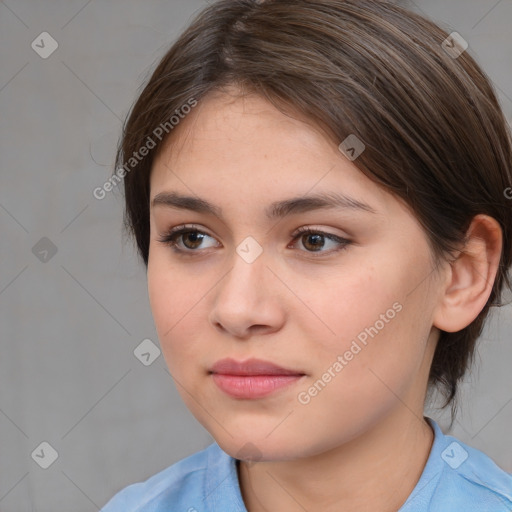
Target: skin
(362, 442)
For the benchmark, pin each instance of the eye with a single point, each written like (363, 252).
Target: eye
(192, 238)
(315, 239)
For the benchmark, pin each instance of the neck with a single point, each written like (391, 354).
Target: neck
(375, 471)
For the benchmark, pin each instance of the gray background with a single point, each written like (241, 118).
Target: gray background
(69, 325)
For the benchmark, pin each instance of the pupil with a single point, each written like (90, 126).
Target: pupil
(195, 235)
(317, 237)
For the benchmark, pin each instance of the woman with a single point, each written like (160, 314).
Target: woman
(318, 191)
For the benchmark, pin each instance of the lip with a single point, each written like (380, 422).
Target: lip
(253, 378)
(251, 366)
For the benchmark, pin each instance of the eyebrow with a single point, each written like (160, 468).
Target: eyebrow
(276, 210)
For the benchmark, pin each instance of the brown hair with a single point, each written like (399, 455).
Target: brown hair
(434, 132)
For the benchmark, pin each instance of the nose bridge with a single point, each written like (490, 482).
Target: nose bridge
(248, 267)
(243, 298)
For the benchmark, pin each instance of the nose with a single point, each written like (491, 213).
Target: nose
(249, 299)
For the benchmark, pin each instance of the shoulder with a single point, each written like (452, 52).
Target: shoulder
(183, 484)
(464, 478)
(478, 479)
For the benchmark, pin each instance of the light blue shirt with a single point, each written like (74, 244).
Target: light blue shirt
(456, 478)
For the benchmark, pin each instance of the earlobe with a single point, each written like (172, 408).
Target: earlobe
(471, 275)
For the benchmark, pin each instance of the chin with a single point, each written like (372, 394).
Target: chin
(254, 446)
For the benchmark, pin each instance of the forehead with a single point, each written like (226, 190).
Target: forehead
(233, 147)
(243, 124)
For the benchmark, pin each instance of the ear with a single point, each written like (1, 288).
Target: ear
(470, 276)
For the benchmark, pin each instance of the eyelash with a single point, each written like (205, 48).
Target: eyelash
(170, 239)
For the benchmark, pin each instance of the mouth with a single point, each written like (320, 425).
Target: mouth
(253, 378)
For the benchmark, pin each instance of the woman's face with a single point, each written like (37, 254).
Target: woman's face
(353, 320)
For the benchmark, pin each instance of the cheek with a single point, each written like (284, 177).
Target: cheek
(171, 293)
(366, 372)
(372, 320)
(177, 305)
(352, 301)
